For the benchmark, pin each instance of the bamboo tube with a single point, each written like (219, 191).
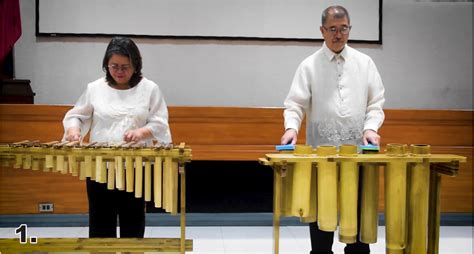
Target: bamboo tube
(147, 180)
(174, 189)
(327, 190)
(369, 202)
(395, 199)
(45, 168)
(286, 187)
(98, 169)
(111, 175)
(27, 161)
(65, 167)
(313, 198)
(301, 184)
(157, 183)
(419, 183)
(82, 170)
(287, 190)
(93, 170)
(73, 165)
(138, 177)
(49, 163)
(349, 184)
(103, 174)
(60, 164)
(88, 165)
(18, 161)
(68, 165)
(434, 212)
(35, 164)
(129, 173)
(120, 176)
(123, 177)
(167, 183)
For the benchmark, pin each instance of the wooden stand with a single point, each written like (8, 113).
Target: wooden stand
(168, 245)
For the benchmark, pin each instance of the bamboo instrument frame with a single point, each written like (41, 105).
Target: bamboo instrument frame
(415, 170)
(105, 164)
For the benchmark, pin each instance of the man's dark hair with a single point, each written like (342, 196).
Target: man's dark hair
(124, 47)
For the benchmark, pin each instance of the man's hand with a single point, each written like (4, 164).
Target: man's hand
(371, 137)
(73, 134)
(289, 137)
(137, 135)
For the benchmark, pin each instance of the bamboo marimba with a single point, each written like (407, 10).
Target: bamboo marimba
(322, 185)
(124, 166)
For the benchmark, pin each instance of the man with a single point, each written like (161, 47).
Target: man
(341, 92)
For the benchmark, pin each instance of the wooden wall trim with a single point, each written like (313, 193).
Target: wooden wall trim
(225, 133)
(231, 133)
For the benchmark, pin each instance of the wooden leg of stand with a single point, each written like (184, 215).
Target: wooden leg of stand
(434, 213)
(276, 209)
(182, 171)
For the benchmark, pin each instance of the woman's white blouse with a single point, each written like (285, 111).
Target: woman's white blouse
(108, 112)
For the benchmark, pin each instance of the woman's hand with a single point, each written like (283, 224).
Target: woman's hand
(73, 134)
(137, 135)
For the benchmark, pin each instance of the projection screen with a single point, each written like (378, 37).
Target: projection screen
(203, 19)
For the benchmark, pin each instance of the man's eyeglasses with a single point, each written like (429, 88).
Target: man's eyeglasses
(343, 29)
(116, 67)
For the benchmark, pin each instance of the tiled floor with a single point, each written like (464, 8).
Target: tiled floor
(256, 240)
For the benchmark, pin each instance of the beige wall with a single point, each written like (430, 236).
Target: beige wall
(425, 61)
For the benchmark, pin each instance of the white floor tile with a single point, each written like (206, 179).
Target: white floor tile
(83, 232)
(256, 240)
(4, 232)
(206, 239)
(456, 240)
(247, 239)
(301, 236)
(164, 232)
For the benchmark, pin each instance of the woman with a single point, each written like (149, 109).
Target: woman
(122, 106)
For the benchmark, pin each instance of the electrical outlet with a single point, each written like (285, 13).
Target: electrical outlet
(46, 207)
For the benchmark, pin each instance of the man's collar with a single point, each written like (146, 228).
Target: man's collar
(330, 54)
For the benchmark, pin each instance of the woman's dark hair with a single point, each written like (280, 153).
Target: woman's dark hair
(125, 47)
